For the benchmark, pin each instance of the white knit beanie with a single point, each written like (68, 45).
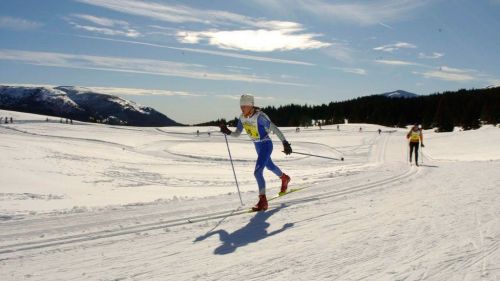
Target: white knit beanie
(246, 100)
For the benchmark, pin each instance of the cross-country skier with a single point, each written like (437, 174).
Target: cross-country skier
(258, 125)
(415, 136)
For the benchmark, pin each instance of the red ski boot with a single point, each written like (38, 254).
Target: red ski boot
(285, 179)
(261, 205)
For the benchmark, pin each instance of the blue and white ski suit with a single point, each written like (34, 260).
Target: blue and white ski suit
(257, 128)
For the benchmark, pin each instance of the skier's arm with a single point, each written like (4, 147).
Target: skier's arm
(238, 130)
(277, 131)
(265, 125)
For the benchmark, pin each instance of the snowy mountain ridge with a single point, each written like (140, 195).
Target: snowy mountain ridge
(80, 103)
(399, 94)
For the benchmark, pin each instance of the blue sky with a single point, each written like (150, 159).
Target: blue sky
(193, 59)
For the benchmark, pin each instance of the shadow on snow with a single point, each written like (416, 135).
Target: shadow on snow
(254, 231)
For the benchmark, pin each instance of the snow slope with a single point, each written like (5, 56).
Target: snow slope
(95, 202)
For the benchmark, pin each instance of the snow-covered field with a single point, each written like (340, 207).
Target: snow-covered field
(97, 202)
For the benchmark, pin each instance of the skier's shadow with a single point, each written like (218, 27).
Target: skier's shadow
(255, 230)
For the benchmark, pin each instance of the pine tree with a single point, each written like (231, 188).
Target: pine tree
(443, 118)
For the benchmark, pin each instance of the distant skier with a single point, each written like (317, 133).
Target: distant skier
(258, 125)
(379, 131)
(415, 136)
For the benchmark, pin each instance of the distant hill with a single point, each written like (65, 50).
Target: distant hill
(399, 94)
(81, 104)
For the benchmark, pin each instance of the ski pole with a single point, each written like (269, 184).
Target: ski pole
(408, 151)
(331, 158)
(421, 155)
(232, 165)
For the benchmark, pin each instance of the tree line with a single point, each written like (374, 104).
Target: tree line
(464, 108)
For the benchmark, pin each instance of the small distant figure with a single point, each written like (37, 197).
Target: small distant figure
(60, 121)
(47, 119)
(379, 131)
(360, 129)
(415, 136)
(67, 121)
(338, 128)
(11, 120)
(297, 130)
(197, 133)
(71, 121)
(319, 124)
(208, 133)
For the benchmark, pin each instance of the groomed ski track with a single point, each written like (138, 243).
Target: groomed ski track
(377, 155)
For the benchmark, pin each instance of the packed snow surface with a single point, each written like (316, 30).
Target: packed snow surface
(98, 202)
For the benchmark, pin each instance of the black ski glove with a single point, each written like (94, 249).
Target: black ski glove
(422, 145)
(287, 148)
(224, 129)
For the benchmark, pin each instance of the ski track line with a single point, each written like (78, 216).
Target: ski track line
(68, 138)
(59, 241)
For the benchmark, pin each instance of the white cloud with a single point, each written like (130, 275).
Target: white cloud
(202, 51)
(118, 91)
(359, 71)
(130, 65)
(250, 34)
(18, 23)
(396, 62)
(261, 40)
(494, 82)
(434, 55)
(239, 68)
(456, 70)
(140, 92)
(105, 26)
(185, 14)
(385, 25)
(448, 76)
(339, 51)
(452, 74)
(102, 21)
(363, 13)
(394, 47)
(108, 31)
